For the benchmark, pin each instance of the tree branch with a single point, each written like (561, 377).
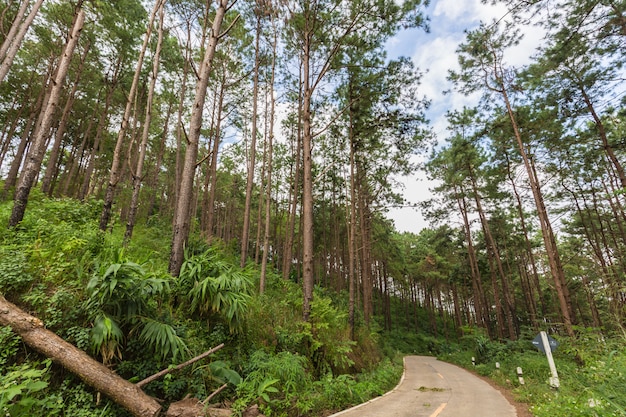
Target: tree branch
(178, 367)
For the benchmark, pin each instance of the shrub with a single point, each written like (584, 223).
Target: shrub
(21, 389)
(275, 382)
(213, 285)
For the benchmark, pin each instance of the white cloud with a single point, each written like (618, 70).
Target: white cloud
(467, 11)
(436, 57)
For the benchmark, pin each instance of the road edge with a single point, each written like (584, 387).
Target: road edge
(375, 398)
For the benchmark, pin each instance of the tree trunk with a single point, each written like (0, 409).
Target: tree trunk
(307, 196)
(92, 372)
(138, 174)
(91, 163)
(293, 204)
(217, 134)
(480, 302)
(75, 160)
(606, 145)
(30, 130)
(52, 167)
(180, 130)
(9, 131)
(245, 236)
(270, 150)
(115, 172)
(549, 240)
(528, 248)
(12, 175)
(495, 263)
(264, 167)
(37, 151)
(182, 219)
(154, 181)
(352, 222)
(13, 41)
(366, 248)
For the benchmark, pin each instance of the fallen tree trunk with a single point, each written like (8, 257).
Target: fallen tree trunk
(178, 367)
(92, 372)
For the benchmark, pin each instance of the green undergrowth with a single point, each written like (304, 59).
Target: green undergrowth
(591, 370)
(121, 306)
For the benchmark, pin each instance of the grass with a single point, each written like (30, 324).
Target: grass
(591, 369)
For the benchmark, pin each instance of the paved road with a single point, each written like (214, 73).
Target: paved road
(430, 388)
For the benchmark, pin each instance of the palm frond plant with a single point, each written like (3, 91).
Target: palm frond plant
(123, 300)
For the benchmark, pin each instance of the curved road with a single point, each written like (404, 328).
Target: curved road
(430, 388)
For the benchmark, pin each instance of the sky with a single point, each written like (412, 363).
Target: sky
(434, 53)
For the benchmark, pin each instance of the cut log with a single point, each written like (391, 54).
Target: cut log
(92, 372)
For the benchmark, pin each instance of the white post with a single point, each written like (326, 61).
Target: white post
(554, 379)
(520, 375)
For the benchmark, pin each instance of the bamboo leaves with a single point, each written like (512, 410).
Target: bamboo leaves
(122, 301)
(215, 286)
(162, 336)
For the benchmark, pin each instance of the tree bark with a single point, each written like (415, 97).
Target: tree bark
(480, 301)
(29, 131)
(268, 185)
(91, 160)
(182, 220)
(115, 172)
(495, 263)
(245, 236)
(366, 242)
(352, 222)
(51, 169)
(9, 130)
(154, 181)
(552, 251)
(307, 196)
(606, 145)
(13, 41)
(92, 372)
(293, 204)
(36, 152)
(212, 192)
(138, 174)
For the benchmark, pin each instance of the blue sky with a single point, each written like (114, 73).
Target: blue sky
(434, 54)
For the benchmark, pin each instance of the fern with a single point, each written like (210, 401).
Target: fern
(162, 338)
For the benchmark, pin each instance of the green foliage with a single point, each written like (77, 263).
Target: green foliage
(116, 302)
(106, 337)
(20, 389)
(329, 338)
(223, 374)
(591, 368)
(214, 285)
(14, 275)
(163, 337)
(9, 343)
(123, 295)
(346, 390)
(274, 381)
(400, 340)
(124, 289)
(77, 401)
